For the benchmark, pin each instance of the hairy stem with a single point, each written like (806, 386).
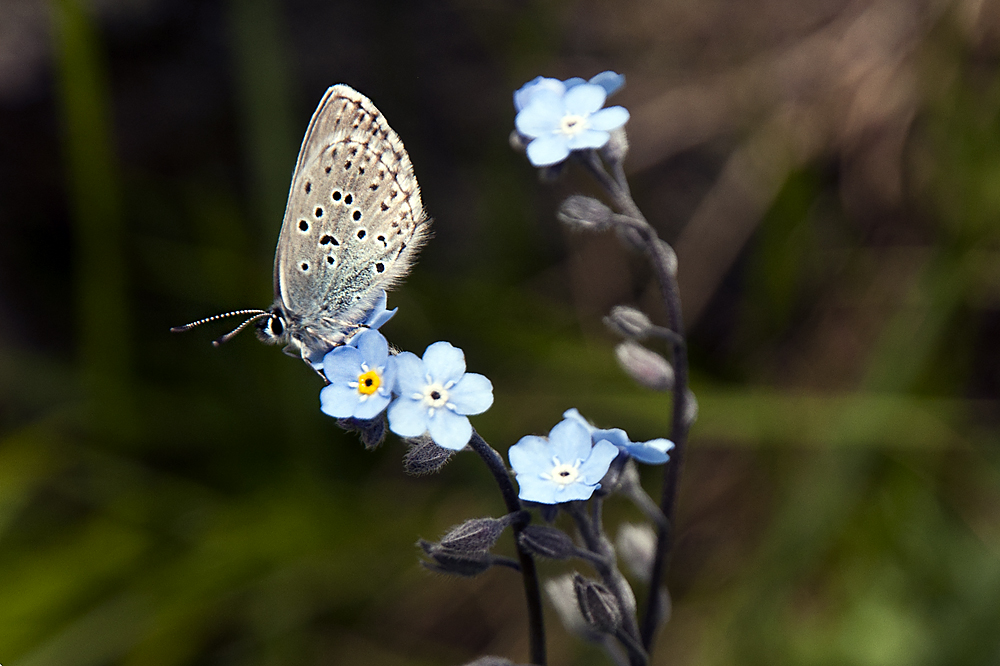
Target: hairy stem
(529, 575)
(617, 188)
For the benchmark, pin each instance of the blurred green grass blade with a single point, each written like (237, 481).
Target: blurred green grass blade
(101, 636)
(101, 302)
(265, 91)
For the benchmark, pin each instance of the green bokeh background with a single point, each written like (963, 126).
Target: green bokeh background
(163, 502)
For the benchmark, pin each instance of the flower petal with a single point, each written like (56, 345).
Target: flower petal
(449, 430)
(342, 365)
(653, 452)
(371, 407)
(573, 82)
(531, 455)
(587, 139)
(378, 315)
(596, 466)
(338, 400)
(584, 99)
(616, 436)
(541, 116)
(444, 362)
(373, 347)
(608, 119)
(610, 81)
(411, 375)
(407, 418)
(524, 95)
(547, 150)
(473, 394)
(570, 441)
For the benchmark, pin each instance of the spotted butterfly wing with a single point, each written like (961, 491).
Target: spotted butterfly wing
(353, 225)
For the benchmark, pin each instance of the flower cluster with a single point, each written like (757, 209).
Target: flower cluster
(431, 395)
(558, 117)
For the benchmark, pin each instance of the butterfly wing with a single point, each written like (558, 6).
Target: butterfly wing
(354, 220)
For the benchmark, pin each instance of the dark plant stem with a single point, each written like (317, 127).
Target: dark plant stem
(592, 532)
(529, 575)
(662, 260)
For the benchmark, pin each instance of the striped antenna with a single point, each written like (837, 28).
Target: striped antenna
(188, 327)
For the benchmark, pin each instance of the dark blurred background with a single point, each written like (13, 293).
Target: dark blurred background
(828, 171)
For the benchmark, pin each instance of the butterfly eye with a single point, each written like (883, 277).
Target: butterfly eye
(277, 327)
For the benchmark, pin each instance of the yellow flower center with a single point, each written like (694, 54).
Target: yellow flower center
(368, 382)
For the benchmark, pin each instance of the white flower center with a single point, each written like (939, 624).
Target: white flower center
(563, 474)
(434, 396)
(571, 124)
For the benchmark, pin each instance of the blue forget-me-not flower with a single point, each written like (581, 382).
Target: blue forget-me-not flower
(361, 377)
(652, 452)
(612, 82)
(560, 117)
(436, 396)
(565, 467)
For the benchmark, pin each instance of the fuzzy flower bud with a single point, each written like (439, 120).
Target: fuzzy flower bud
(645, 366)
(455, 563)
(616, 148)
(424, 456)
(547, 542)
(584, 213)
(476, 535)
(628, 322)
(636, 545)
(597, 605)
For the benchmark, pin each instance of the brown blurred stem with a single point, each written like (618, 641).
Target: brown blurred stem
(617, 187)
(529, 575)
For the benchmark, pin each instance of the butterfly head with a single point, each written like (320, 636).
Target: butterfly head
(273, 329)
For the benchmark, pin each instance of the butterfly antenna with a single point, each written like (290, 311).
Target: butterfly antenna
(233, 333)
(188, 327)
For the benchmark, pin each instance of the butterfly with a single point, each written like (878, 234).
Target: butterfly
(353, 225)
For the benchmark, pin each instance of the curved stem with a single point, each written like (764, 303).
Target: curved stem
(529, 575)
(617, 187)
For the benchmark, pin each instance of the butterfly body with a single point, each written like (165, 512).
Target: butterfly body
(353, 225)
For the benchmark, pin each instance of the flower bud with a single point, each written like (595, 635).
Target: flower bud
(472, 536)
(584, 213)
(597, 605)
(546, 542)
(636, 545)
(630, 238)
(645, 366)
(490, 661)
(669, 257)
(616, 148)
(424, 456)
(370, 431)
(563, 597)
(691, 409)
(455, 563)
(518, 141)
(628, 322)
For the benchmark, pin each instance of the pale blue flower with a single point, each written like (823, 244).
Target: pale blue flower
(564, 467)
(560, 119)
(653, 452)
(610, 81)
(361, 377)
(436, 395)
